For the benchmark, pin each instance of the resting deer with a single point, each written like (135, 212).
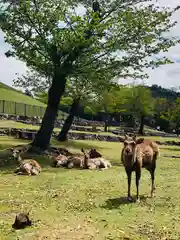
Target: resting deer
(59, 161)
(95, 163)
(71, 161)
(137, 154)
(93, 153)
(75, 161)
(27, 166)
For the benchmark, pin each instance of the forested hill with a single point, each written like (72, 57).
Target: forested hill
(159, 92)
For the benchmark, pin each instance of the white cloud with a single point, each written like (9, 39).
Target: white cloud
(167, 76)
(9, 66)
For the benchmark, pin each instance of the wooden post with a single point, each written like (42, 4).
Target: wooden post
(25, 113)
(3, 108)
(15, 108)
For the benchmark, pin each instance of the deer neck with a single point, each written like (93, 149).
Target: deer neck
(86, 161)
(19, 159)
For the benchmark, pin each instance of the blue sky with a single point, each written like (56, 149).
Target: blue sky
(166, 76)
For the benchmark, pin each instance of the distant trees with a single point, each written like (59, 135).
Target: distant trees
(140, 103)
(27, 92)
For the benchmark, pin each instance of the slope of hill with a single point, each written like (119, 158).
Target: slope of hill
(10, 94)
(159, 92)
(25, 105)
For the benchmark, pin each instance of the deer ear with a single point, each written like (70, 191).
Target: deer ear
(140, 140)
(134, 137)
(125, 136)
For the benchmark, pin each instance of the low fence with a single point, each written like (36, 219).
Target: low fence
(21, 109)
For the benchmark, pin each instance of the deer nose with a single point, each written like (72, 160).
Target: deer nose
(127, 150)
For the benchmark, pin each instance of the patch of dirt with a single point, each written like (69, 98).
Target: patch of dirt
(77, 231)
(149, 231)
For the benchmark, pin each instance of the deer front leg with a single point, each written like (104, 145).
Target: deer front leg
(129, 173)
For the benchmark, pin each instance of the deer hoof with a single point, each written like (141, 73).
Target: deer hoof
(138, 200)
(130, 199)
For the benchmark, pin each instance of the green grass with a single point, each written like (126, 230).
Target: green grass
(9, 94)
(12, 96)
(16, 103)
(75, 204)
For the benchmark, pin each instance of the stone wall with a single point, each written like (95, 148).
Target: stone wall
(30, 134)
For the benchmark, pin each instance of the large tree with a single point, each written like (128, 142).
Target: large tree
(80, 91)
(140, 103)
(55, 40)
(104, 102)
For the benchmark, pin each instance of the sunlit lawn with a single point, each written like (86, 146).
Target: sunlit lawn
(84, 204)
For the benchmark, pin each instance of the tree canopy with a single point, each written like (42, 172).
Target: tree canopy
(44, 34)
(106, 39)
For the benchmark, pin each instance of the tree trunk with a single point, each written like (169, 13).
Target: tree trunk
(106, 125)
(43, 136)
(141, 128)
(67, 125)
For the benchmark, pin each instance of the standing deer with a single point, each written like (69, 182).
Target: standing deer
(137, 154)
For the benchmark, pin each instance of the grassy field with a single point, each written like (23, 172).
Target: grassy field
(83, 204)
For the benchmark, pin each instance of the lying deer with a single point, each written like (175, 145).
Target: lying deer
(71, 161)
(59, 161)
(137, 154)
(27, 166)
(95, 163)
(93, 153)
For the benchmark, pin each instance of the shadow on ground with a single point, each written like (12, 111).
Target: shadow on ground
(114, 203)
(76, 144)
(7, 165)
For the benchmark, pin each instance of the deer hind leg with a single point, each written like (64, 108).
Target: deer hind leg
(70, 165)
(93, 166)
(27, 168)
(152, 172)
(138, 176)
(35, 171)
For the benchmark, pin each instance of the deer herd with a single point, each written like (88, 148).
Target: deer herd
(135, 155)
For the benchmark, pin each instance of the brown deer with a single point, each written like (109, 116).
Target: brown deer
(93, 153)
(59, 161)
(95, 163)
(27, 166)
(137, 154)
(71, 160)
(75, 161)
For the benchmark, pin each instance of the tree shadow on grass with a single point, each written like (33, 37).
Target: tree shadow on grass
(77, 144)
(7, 166)
(114, 203)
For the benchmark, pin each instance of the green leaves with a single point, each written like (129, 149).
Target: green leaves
(33, 27)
